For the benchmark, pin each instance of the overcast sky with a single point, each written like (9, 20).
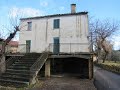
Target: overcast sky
(100, 9)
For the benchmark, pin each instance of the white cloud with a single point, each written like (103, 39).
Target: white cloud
(43, 3)
(24, 12)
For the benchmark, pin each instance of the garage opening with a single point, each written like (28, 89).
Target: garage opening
(71, 66)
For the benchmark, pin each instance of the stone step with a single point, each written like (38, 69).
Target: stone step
(21, 64)
(30, 57)
(13, 83)
(16, 74)
(18, 71)
(14, 77)
(19, 68)
(24, 63)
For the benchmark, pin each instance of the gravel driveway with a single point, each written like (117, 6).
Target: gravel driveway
(66, 83)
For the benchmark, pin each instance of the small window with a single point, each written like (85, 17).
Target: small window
(29, 26)
(56, 23)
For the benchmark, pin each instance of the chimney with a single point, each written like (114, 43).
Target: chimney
(73, 8)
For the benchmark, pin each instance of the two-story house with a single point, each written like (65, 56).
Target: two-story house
(61, 33)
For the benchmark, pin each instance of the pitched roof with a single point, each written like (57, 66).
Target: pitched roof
(13, 43)
(55, 15)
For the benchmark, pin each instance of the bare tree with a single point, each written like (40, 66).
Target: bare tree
(101, 31)
(13, 29)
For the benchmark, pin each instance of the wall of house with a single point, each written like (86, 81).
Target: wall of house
(72, 32)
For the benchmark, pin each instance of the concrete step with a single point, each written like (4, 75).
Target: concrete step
(34, 58)
(29, 59)
(18, 71)
(19, 68)
(26, 60)
(13, 83)
(18, 78)
(16, 74)
(24, 63)
(21, 64)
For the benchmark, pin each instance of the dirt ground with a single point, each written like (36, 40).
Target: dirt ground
(65, 83)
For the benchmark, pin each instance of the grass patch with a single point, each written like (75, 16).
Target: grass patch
(36, 85)
(110, 66)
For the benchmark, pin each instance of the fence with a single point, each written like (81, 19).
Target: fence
(21, 48)
(54, 48)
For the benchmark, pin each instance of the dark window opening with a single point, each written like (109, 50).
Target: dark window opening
(56, 24)
(29, 26)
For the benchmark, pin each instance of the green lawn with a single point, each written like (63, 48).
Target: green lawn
(110, 66)
(117, 64)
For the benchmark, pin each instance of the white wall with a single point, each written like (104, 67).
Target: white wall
(73, 29)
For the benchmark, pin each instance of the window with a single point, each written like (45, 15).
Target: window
(56, 23)
(29, 26)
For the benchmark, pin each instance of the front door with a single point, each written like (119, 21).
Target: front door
(28, 45)
(56, 45)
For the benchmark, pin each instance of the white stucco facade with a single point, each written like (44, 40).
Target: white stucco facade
(72, 33)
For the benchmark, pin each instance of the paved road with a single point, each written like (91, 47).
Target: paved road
(105, 80)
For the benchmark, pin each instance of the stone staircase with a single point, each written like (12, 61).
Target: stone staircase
(18, 74)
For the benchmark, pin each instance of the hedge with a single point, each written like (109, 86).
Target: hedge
(109, 67)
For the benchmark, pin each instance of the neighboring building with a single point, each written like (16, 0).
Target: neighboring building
(63, 33)
(11, 47)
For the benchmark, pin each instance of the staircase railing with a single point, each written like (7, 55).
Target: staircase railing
(35, 68)
(22, 48)
(69, 48)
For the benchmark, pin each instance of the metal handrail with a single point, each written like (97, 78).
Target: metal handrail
(18, 50)
(71, 48)
(34, 69)
(24, 48)
(70, 43)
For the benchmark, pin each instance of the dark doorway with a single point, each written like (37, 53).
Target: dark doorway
(56, 45)
(71, 66)
(28, 45)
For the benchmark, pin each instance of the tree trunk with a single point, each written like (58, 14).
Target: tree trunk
(98, 56)
(105, 57)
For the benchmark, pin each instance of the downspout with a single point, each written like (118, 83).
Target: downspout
(46, 30)
(59, 33)
(35, 36)
(46, 37)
